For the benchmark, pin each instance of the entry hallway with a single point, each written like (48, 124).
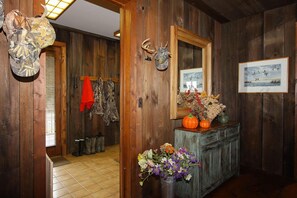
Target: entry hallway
(95, 175)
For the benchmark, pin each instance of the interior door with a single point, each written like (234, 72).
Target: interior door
(55, 126)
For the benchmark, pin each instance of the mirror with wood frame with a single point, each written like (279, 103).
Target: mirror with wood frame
(190, 67)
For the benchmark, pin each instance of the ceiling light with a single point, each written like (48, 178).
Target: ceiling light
(56, 7)
(117, 34)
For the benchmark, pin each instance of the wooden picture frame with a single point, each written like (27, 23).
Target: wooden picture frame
(265, 76)
(179, 34)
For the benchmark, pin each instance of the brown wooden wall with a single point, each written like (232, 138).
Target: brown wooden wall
(22, 107)
(153, 126)
(267, 120)
(89, 55)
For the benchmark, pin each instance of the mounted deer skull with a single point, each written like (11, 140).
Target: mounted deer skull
(161, 56)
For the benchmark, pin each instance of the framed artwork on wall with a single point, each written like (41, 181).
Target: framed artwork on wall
(265, 76)
(191, 79)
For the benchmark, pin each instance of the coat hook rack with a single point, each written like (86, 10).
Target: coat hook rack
(94, 78)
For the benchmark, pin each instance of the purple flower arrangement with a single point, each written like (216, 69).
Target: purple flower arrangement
(166, 162)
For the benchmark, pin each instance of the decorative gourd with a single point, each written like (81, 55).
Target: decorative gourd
(223, 118)
(204, 123)
(190, 122)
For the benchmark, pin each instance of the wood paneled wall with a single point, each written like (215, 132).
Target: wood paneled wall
(267, 120)
(22, 107)
(88, 55)
(152, 125)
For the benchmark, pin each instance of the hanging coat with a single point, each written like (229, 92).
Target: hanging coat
(87, 97)
(111, 112)
(99, 99)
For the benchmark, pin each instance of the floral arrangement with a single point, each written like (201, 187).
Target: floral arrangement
(203, 106)
(166, 162)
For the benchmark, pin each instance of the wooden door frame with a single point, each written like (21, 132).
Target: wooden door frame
(127, 121)
(125, 108)
(126, 114)
(62, 45)
(63, 108)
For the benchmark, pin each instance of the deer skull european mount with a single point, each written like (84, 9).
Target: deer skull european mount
(161, 56)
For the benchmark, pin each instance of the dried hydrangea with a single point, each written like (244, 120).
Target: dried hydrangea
(203, 106)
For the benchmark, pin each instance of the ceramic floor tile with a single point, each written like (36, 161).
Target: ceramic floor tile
(80, 193)
(102, 193)
(74, 187)
(93, 176)
(69, 182)
(55, 180)
(113, 189)
(66, 196)
(60, 192)
(89, 196)
(57, 186)
(87, 183)
(82, 178)
(117, 195)
(64, 177)
(108, 183)
(60, 172)
(93, 188)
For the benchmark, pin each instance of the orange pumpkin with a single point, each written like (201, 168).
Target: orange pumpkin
(190, 122)
(204, 123)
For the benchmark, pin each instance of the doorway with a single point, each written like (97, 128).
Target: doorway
(56, 99)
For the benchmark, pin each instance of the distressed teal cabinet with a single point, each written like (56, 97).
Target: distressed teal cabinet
(218, 150)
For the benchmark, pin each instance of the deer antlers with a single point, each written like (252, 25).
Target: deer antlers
(146, 47)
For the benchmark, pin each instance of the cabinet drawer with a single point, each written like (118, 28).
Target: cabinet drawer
(209, 138)
(231, 131)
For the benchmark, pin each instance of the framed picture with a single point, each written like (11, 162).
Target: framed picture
(191, 79)
(263, 76)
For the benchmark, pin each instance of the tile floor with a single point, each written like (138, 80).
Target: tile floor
(95, 176)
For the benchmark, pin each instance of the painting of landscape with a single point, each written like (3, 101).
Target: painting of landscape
(266, 75)
(263, 76)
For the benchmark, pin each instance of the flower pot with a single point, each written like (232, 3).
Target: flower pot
(167, 187)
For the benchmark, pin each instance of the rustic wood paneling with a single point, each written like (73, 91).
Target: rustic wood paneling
(93, 56)
(267, 127)
(230, 10)
(289, 102)
(152, 119)
(22, 133)
(250, 115)
(9, 133)
(229, 62)
(272, 148)
(295, 123)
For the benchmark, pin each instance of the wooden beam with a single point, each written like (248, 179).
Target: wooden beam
(208, 10)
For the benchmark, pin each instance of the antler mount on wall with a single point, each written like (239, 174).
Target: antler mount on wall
(161, 56)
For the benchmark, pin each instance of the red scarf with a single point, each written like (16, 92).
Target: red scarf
(87, 96)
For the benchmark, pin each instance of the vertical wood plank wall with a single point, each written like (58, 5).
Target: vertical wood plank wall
(90, 55)
(153, 126)
(267, 120)
(22, 139)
